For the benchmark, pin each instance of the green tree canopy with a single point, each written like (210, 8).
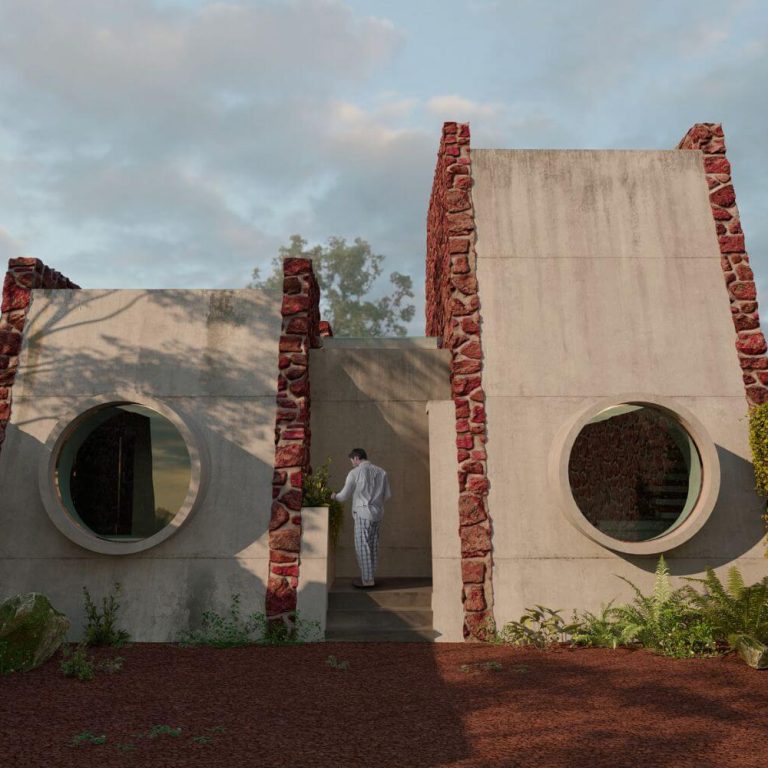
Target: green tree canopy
(346, 274)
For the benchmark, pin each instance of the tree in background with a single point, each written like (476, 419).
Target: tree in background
(346, 274)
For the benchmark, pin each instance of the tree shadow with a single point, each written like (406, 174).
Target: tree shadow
(210, 355)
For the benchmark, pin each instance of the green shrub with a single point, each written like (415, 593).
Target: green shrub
(758, 442)
(86, 737)
(101, 627)
(733, 608)
(539, 627)
(233, 629)
(317, 493)
(664, 621)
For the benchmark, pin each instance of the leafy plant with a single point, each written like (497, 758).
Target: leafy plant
(86, 737)
(219, 631)
(733, 608)
(538, 626)
(335, 663)
(233, 629)
(664, 621)
(317, 493)
(483, 666)
(112, 665)
(597, 631)
(101, 627)
(77, 664)
(163, 730)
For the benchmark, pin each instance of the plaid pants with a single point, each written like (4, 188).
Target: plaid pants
(367, 546)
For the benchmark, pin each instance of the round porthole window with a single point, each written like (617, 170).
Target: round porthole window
(121, 476)
(638, 476)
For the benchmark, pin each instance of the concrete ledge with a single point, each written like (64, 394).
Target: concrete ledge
(408, 342)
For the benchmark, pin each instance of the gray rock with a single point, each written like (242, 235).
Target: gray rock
(31, 631)
(751, 650)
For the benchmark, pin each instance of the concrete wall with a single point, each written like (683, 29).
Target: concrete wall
(211, 356)
(373, 394)
(599, 274)
(447, 612)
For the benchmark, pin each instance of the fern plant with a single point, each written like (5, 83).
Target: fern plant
(596, 631)
(317, 493)
(664, 621)
(733, 608)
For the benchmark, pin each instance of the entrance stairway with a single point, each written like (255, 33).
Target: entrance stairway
(397, 610)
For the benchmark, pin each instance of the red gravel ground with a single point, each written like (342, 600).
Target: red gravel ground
(396, 705)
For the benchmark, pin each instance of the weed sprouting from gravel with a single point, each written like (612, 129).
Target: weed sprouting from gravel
(335, 663)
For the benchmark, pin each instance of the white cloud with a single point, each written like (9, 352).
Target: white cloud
(9, 248)
(458, 108)
(195, 132)
(180, 142)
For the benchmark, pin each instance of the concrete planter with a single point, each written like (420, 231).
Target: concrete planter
(317, 566)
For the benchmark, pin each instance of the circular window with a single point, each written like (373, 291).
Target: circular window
(637, 476)
(634, 472)
(121, 476)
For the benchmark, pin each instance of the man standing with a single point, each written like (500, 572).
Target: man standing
(369, 486)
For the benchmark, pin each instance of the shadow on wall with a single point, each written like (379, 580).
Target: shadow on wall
(733, 528)
(223, 547)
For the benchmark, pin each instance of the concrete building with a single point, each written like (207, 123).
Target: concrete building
(575, 409)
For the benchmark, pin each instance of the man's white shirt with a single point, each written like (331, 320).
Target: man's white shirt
(369, 486)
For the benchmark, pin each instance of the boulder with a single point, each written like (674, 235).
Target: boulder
(31, 631)
(751, 650)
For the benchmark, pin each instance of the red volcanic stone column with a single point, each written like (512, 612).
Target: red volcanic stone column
(22, 277)
(300, 332)
(453, 313)
(739, 279)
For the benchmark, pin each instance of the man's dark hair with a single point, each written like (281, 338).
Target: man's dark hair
(358, 453)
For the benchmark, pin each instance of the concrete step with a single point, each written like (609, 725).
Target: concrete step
(396, 610)
(393, 593)
(379, 619)
(404, 636)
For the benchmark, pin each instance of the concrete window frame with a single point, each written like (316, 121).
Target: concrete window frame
(74, 530)
(710, 467)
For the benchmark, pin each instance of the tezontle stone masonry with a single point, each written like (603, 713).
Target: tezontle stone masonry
(22, 277)
(739, 280)
(300, 332)
(453, 313)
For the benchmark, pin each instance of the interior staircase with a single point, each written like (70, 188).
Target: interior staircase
(397, 610)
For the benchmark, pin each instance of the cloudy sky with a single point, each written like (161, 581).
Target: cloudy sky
(179, 143)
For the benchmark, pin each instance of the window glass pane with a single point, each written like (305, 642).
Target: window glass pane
(123, 472)
(634, 472)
